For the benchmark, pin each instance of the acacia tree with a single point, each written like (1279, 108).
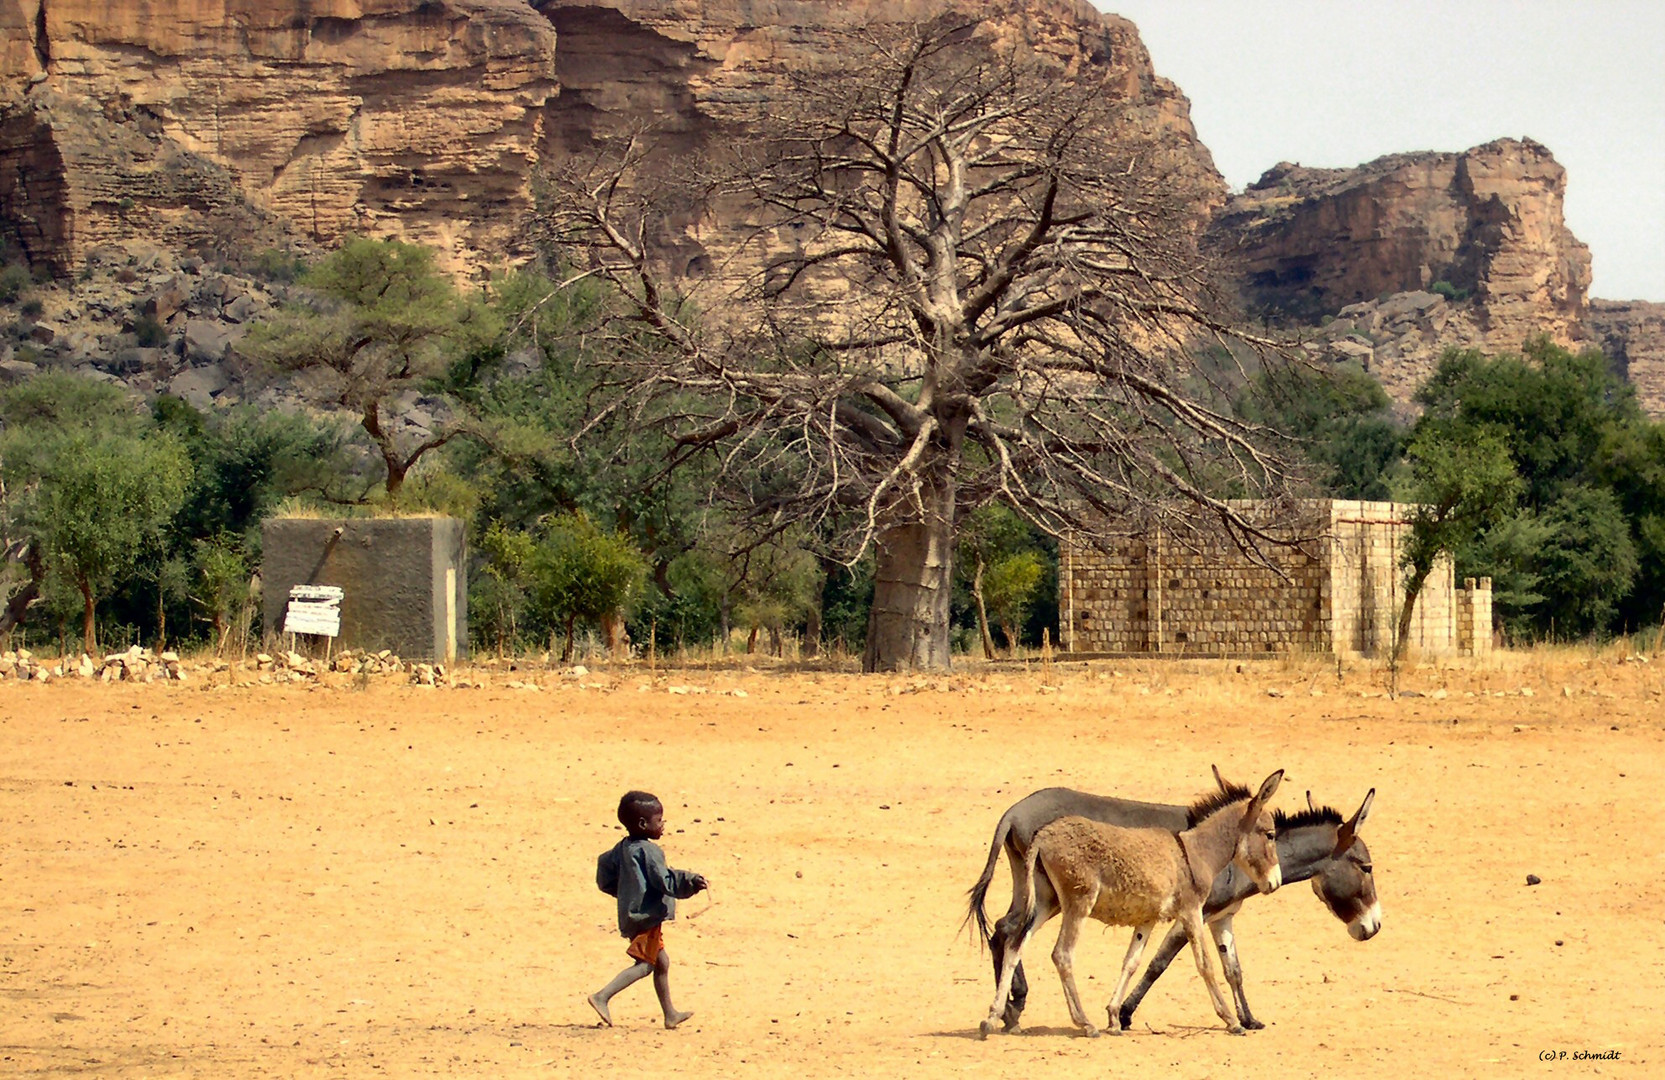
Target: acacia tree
(381, 322)
(979, 281)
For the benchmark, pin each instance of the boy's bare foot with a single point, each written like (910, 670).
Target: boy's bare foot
(673, 1020)
(600, 1008)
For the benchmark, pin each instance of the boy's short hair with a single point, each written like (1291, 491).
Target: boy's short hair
(636, 805)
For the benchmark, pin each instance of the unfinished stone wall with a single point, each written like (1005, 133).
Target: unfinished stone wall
(1339, 592)
(405, 580)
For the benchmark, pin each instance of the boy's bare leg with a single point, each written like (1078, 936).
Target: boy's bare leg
(634, 973)
(662, 987)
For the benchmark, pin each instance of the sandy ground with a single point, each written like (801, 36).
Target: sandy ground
(349, 880)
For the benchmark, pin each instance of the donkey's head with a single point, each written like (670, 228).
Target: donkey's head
(1257, 838)
(1344, 881)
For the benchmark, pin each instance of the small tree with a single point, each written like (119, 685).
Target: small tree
(100, 504)
(580, 572)
(1463, 482)
(1010, 585)
(222, 584)
(503, 588)
(90, 485)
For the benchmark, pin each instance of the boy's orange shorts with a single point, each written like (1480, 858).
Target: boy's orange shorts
(646, 945)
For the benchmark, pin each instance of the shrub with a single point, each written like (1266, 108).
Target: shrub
(278, 266)
(1449, 291)
(13, 280)
(32, 308)
(149, 332)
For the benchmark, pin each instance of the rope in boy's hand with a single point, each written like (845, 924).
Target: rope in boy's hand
(710, 902)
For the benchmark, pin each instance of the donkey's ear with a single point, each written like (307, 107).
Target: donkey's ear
(1218, 779)
(1349, 832)
(1310, 806)
(1363, 811)
(1252, 812)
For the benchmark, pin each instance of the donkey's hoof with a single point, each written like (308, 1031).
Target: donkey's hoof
(985, 1029)
(1092, 1032)
(1126, 1019)
(1236, 1029)
(1253, 1025)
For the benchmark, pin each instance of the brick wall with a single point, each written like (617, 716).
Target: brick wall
(1339, 591)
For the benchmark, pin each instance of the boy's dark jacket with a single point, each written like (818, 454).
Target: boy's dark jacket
(635, 872)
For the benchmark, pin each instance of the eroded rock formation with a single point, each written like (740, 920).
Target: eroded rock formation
(422, 119)
(235, 125)
(1487, 221)
(417, 118)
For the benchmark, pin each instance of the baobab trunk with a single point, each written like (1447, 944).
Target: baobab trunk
(907, 627)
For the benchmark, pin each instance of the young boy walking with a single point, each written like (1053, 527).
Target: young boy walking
(635, 872)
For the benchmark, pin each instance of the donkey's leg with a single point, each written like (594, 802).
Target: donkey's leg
(1003, 986)
(1227, 943)
(1006, 930)
(1204, 954)
(1130, 964)
(1165, 954)
(1076, 910)
(1045, 909)
(1045, 900)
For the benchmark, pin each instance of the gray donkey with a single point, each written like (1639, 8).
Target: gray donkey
(1316, 843)
(1138, 878)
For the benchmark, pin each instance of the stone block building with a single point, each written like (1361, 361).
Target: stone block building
(1338, 592)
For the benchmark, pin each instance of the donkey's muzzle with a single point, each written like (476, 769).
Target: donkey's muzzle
(1366, 926)
(1273, 880)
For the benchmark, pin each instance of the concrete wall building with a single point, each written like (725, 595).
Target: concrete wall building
(405, 580)
(1338, 593)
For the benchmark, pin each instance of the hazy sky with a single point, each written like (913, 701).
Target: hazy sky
(1340, 82)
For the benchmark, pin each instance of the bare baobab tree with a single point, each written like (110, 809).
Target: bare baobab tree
(976, 278)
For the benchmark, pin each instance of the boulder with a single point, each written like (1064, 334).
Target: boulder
(200, 385)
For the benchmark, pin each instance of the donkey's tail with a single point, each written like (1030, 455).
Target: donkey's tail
(980, 891)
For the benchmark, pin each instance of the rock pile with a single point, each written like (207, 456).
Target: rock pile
(135, 665)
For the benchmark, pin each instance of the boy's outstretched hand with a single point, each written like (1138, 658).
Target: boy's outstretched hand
(700, 884)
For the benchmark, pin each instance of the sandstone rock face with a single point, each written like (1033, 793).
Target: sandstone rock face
(1352, 255)
(1487, 221)
(402, 117)
(1632, 334)
(420, 119)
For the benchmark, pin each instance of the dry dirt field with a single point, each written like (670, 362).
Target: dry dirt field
(394, 880)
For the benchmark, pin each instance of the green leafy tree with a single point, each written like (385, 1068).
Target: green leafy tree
(1010, 585)
(1463, 482)
(222, 576)
(501, 596)
(579, 572)
(99, 504)
(90, 485)
(383, 325)
(988, 534)
(1586, 553)
(1343, 420)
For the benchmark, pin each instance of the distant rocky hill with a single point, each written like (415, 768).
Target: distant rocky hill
(1389, 263)
(169, 141)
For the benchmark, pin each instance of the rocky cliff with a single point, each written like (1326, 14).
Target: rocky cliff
(1390, 263)
(422, 119)
(135, 135)
(419, 118)
(230, 126)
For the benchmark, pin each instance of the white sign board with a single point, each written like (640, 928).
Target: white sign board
(314, 609)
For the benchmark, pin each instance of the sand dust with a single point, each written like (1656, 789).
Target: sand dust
(394, 880)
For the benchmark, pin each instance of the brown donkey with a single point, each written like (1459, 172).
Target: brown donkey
(1138, 878)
